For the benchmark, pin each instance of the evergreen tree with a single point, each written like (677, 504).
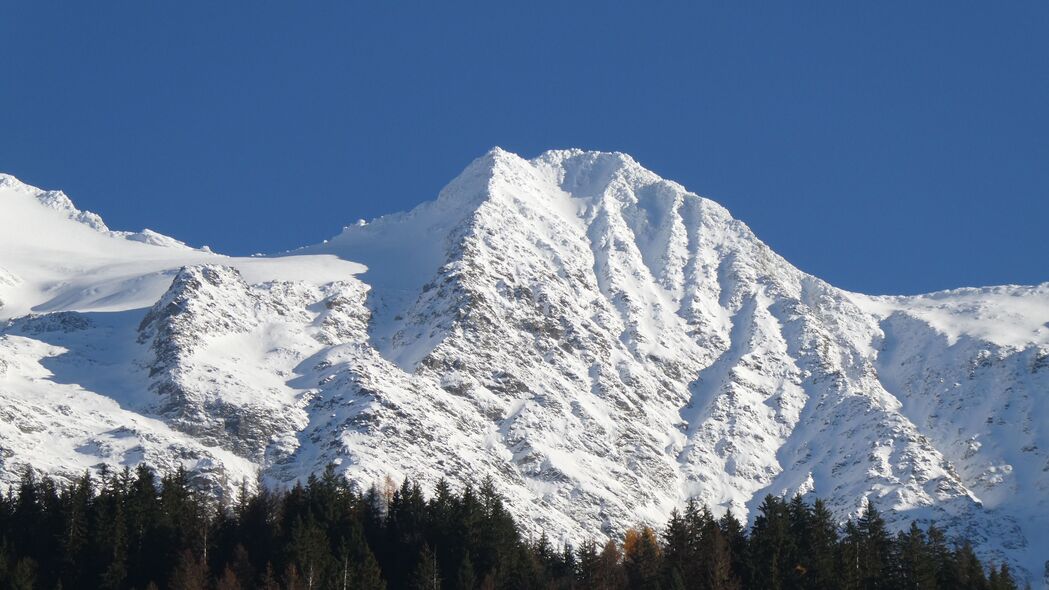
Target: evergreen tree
(914, 563)
(310, 553)
(368, 576)
(228, 580)
(190, 573)
(875, 565)
(1004, 579)
(587, 563)
(771, 545)
(850, 554)
(425, 576)
(941, 558)
(466, 579)
(969, 572)
(23, 576)
(716, 558)
(735, 537)
(820, 548)
(132, 531)
(678, 549)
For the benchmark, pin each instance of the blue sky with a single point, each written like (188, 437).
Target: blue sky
(888, 148)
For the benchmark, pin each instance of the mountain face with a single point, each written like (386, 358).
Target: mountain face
(601, 342)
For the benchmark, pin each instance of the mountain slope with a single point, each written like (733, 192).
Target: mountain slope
(598, 340)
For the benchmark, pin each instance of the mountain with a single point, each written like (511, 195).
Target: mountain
(601, 342)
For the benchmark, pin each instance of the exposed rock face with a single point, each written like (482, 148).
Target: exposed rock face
(600, 341)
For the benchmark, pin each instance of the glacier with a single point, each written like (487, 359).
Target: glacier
(600, 341)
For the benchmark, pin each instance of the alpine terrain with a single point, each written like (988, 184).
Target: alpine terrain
(601, 342)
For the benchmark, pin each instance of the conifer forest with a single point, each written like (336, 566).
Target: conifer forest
(136, 530)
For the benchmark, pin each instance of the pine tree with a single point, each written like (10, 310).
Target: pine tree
(717, 560)
(76, 509)
(326, 535)
(23, 576)
(116, 571)
(941, 558)
(587, 565)
(228, 580)
(735, 536)
(772, 546)
(425, 576)
(269, 579)
(678, 550)
(310, 552)
(915, 569)
(190, 573)
(466, 579)
(1005, 579)
(821, 547)
(850, 553)
(368, 575)
(969, 574)
(875, 566)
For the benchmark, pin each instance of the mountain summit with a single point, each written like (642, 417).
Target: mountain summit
(601, 342)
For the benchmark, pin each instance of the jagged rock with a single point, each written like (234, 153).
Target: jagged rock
(597, 339)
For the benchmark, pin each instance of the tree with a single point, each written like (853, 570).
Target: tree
(850, 552)
(771, 545)
(679, 550)
(190, 573)
(968, 570)
(228, 581)
(875, 565)
(425, 576)
(914, 565)
(466, 579)
(1002, 579)
(642, 558)
(587, 563)
(717, 560)
(735, 536)
(24, 575)
(367, 575)
(310, 552)
(941, 558)
(124, 533)
(609, 574)
(820, 546)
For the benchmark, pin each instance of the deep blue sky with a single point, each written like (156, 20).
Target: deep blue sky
(886, 148)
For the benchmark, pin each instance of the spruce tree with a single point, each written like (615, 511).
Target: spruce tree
(875, 565)
(190, 573)
(821, 546)
(771, 544)
(425, 576)
(466, 579)
(968, 570)
(587, 565)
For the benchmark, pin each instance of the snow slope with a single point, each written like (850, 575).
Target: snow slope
(599, 340)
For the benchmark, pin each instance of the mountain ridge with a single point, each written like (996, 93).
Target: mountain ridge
(602, 342)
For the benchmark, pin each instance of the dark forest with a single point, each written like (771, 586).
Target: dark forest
(137, 530)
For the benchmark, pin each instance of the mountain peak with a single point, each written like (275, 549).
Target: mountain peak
(600, 341)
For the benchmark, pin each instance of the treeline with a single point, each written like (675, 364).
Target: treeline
(135, 530)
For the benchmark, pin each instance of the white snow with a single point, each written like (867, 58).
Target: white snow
(600, 341)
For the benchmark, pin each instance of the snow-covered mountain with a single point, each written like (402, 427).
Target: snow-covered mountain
(600, 341)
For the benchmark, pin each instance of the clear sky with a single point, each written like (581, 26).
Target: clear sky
(886, 147)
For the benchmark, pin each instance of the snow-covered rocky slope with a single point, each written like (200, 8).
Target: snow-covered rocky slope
(600, 341)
